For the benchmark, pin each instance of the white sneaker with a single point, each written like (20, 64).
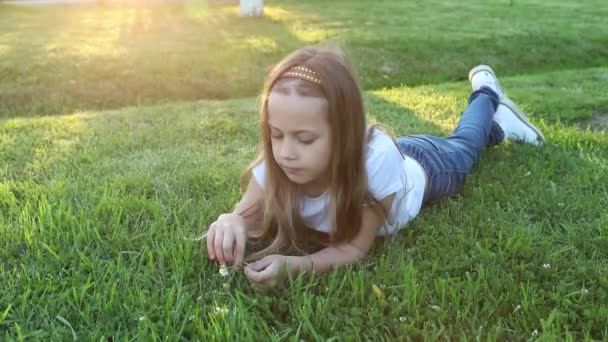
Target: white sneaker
(483, 75)
(515, 124)
(510, 118)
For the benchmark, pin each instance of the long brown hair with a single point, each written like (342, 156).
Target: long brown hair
(348, 187)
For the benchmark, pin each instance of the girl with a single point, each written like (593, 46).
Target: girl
(323, 172)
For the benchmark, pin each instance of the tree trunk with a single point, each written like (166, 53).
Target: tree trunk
(252, 8)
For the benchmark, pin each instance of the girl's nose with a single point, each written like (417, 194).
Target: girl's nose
(287, 150)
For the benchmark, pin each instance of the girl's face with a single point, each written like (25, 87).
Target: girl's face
(300, 136)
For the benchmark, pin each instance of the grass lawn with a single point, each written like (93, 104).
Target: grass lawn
(98, 207)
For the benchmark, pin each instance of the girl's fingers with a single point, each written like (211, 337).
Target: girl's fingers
(239, 251)
(261, 264)
(226, 242)
(264, 280)
(217, 247)
(269, 272)
(260, 271)
(228, 246)
(253, 276)
(210, 241)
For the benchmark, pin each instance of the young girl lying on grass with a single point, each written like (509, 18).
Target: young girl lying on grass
(324, 172)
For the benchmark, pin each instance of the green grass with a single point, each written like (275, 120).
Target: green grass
(98, 207)
(58, 60)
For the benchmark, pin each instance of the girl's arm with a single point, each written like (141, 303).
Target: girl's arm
(250, 206)
(266, 272)
(348, 252)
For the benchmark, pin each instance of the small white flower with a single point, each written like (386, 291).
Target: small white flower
(528, 174)
(560, 204)
(141, 318)
(535, 332)
(224, 272)
(191, 318)
(221, 310)
(584, 290)
(382, 286)
(226, 286)
(402, 319)
(435, 307)
(547, 266)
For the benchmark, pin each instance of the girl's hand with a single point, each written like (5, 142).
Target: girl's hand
(267, 272)
(226, 239)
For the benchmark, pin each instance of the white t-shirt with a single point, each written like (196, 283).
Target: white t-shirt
(388, 172)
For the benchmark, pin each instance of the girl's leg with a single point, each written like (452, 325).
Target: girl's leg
(476, 128)
(490, 118)
(448, 161)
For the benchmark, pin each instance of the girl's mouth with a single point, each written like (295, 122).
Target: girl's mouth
(290, 170)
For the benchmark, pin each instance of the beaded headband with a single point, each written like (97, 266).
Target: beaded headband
(303, 73)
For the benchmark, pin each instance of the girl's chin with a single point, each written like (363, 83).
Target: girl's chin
(299, 179)
(296, 179)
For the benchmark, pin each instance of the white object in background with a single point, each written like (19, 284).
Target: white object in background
(252, 8)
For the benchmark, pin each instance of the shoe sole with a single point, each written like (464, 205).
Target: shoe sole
(540, 138)
(487, 68)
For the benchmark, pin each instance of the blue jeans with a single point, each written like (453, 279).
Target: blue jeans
(448, 161)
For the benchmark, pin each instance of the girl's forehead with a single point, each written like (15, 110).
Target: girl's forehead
(297, 86)
(286, 111)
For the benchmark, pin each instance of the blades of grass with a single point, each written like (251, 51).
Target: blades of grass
(65, 321)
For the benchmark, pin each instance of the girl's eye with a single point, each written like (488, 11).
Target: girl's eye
(307, 142)
(276, 136)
